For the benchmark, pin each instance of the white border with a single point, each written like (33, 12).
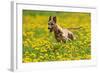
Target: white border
(17, 37)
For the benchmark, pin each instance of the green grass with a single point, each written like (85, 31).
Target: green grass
(39, 45)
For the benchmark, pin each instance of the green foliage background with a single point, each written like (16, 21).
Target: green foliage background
(39, 45)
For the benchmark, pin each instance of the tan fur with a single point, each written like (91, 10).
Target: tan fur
(61, 35)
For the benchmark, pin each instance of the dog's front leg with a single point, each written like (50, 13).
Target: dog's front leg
(58, 40)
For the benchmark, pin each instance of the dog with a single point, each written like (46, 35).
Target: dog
(61, 34)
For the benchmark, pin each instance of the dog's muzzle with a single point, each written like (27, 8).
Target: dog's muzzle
(49, 27)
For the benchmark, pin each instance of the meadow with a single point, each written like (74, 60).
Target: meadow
(39, 45)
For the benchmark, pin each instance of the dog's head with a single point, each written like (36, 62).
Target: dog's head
(51, 23)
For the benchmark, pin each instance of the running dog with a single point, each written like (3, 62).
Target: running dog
(61, 34)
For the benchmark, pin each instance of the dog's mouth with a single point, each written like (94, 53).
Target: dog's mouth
(50, 29)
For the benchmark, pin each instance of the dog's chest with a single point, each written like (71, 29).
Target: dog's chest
(58, 34)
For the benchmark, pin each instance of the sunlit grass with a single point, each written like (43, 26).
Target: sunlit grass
(39, 45)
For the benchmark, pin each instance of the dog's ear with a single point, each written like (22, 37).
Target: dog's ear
(49, 18)
(55, 19)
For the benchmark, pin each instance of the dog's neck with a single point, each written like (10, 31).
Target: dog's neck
(57, 29)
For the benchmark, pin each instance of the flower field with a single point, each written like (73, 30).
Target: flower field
(39, 45)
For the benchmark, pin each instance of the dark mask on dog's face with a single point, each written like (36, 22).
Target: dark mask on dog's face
(51, 23)
(50, 26)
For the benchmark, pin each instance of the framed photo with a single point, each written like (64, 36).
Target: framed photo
(52, 36)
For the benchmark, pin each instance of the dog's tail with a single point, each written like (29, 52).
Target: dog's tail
(74, 28)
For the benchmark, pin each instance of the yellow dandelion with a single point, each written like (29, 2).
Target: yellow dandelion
(24, 34)
(43, 50)
(35, 60)
(36, 48)
(46, 55)
(33, 55)
(33, 45)
(77, 58)
(57, 53)
(59, 57)
(27, 59)
(26, 44)
(41, 57)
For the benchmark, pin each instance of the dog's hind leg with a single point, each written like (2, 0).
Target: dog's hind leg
(70, 36)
